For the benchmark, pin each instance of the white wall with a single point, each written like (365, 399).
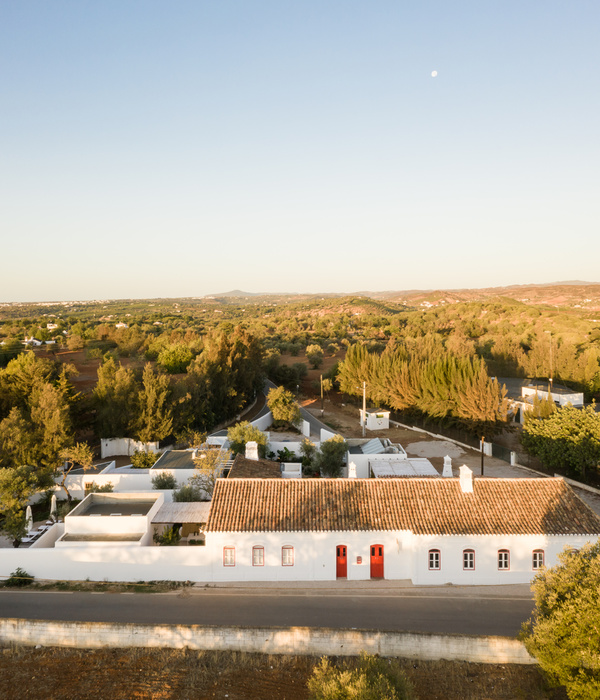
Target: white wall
(264, 422)
(123, 479)
(575, 399)
(267, 640)
(486, 557)
(274, 446)
(109, 447)
(405, 557)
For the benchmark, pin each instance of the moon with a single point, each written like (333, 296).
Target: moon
(433, 73)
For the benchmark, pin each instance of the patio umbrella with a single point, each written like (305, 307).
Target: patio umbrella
(53, 508)
(29, 519)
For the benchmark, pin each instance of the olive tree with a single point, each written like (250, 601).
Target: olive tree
(330, 458)
(564, 635)
(283, 406)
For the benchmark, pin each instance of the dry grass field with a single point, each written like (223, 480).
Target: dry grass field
(164, 674)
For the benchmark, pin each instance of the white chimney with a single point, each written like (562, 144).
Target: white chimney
(466, 479)
(352, 470)
(252, 450)
(447, 466)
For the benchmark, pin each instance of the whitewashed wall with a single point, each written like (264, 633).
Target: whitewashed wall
(264, 422)
(123, 480)
(405, 557)
(575, 399)
(275, 445)
(486, 558)
(109, 447)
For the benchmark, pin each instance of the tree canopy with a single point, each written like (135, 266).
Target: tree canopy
(241, 433)
(569, 438)
(282, 404)
(564, 635)
(329, 460)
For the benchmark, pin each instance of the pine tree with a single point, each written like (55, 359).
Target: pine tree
(155, 415)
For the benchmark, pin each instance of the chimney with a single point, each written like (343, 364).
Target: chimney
(252, 450)
(466, 479)
(352, 470)
(447, 466)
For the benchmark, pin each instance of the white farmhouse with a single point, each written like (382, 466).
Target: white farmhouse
(429, 530)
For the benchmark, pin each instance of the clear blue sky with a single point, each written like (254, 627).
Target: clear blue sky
(159, 149)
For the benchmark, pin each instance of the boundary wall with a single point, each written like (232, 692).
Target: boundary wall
(266, 640)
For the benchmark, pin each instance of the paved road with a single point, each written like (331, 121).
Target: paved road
(441, 613)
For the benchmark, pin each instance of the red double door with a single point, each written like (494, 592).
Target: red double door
(341, 561)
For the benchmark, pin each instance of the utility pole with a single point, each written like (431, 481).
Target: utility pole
(364, 414)
(550, 379)
(482, 453)
(321, 396)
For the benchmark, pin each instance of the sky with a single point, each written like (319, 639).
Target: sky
(178, 149)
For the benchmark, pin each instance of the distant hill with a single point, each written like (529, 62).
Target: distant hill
(234, 293)
(575, 294)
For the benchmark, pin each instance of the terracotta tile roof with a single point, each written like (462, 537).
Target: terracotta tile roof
(243, 468)
(423, 506)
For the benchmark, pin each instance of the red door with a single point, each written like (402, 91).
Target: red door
(341, 569)
(376, 561)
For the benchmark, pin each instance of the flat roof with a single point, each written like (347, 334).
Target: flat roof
(417, 466)
(175, 459)
(94, 469)
(101, 537)
(556, 388)
(118, 508)
(194, 512)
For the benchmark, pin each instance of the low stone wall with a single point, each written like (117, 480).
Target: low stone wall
(267, 640)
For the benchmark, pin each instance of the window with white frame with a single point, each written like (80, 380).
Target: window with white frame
(435, 560)
(537, 560)
(228, 556)
(258, 555)
(468, 559)
(503, 560)
(287, 555)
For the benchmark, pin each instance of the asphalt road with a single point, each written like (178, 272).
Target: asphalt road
(441, 614)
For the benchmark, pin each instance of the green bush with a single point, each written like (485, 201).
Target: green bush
(372, 679)
(96, 488)
(143, 460)
(163, 481)
(19, 578)
(564, 635)
(169, 538)
(187, 494)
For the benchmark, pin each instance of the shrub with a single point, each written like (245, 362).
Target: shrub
(96, 488)
(314, 354)
(308, 450)
(286, 455)
(372, 679)
(19, 578)
(330, 459)
(187, 494)
(143, 460)
(564, 635)
(238, 435)
(163, 481)
(169, 538)
(283, 406)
